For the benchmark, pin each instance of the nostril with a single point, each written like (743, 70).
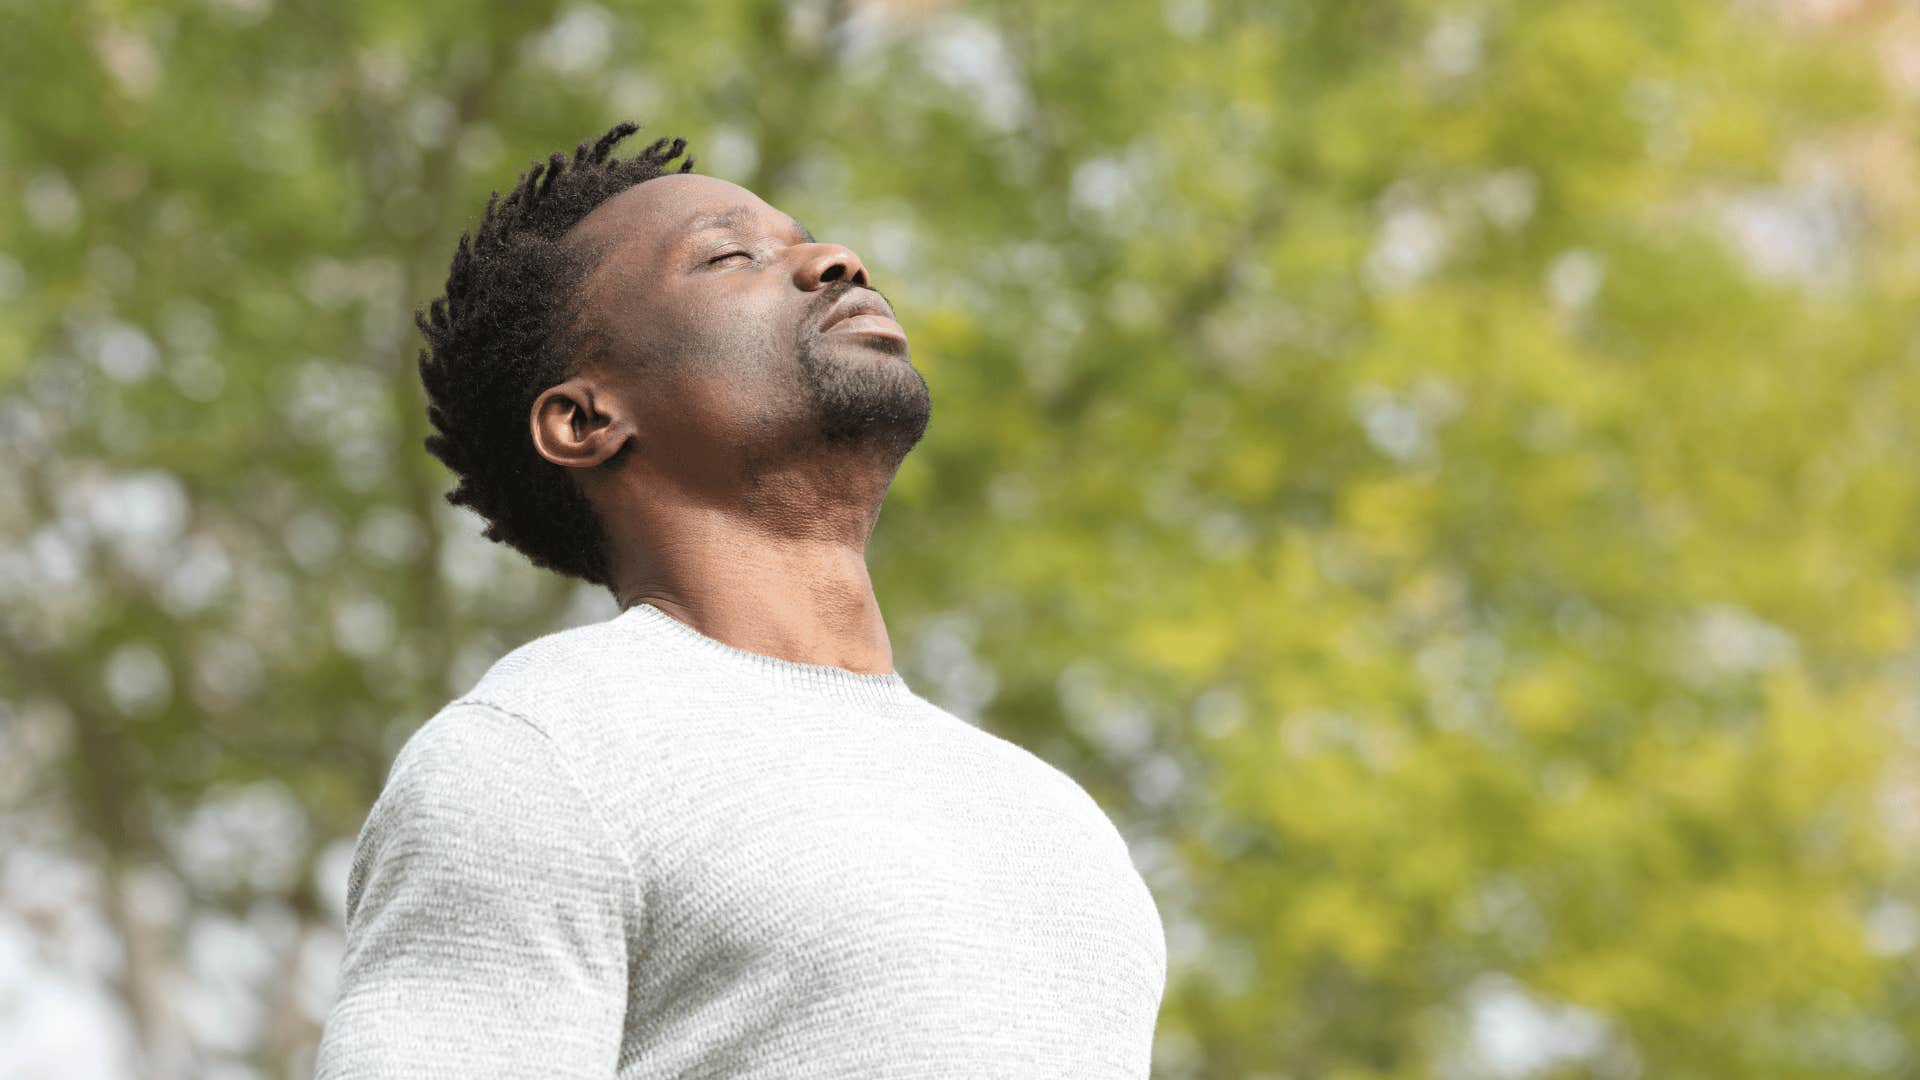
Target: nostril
(833, 273)
(860, 277)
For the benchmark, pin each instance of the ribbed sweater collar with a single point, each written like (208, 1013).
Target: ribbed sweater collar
(854, 687)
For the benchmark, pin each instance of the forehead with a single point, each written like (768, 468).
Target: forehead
(658, 210)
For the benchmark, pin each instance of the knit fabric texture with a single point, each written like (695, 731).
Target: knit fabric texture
(635, 851)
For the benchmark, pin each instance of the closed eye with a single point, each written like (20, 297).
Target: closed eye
(727, 255)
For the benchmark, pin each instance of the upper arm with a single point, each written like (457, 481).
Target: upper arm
(486, 916)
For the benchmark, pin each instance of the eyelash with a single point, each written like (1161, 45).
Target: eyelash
(727, 255)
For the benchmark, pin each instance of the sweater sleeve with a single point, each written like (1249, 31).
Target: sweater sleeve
(487, 908)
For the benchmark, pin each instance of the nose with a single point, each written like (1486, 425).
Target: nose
(828, 264)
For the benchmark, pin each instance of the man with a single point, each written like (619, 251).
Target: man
(717, 835)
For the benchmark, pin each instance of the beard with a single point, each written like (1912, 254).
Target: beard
(863, 392)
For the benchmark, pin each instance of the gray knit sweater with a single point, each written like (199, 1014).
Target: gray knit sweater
(633, 850)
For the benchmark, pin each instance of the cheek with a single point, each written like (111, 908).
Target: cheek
(738, 326)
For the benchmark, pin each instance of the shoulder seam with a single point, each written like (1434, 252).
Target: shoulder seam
(573, 777)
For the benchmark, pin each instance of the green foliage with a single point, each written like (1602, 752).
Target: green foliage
(1440, 473)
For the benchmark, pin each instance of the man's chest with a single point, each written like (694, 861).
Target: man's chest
(909, 869)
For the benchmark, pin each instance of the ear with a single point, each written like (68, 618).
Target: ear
(579, 424)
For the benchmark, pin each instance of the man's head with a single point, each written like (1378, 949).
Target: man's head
(622, 323)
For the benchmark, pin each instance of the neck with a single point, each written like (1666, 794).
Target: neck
(799, 594)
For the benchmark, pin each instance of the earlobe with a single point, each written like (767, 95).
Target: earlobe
(578, 425)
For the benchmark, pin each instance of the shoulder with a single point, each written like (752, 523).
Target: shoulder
(477, 793)
(466, 732)
(477, 819)
(1069, 794)
(557, 669)
(468, 756)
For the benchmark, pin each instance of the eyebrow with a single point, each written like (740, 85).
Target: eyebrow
(734, 218)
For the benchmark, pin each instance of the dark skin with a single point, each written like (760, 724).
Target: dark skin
(755, 443)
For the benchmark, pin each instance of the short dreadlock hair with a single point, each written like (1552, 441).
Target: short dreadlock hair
(504, 332)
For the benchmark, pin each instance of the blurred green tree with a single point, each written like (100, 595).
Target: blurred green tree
(1439, 472)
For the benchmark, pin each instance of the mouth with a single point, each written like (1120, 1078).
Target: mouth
(867, 324)
(863, 313)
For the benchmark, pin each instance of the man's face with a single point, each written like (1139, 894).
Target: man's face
(714, 307)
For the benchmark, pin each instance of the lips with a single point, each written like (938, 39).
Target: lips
(866, 323)
(869, 308)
